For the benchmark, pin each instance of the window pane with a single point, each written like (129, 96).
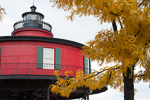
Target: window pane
(48, 53)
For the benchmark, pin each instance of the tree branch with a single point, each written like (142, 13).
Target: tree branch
(120, 23)
(140, 3)
(140, 75)
(109, 77)
(114, 25)
(102, 72)
(137, 34)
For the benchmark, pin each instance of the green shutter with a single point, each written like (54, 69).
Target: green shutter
(90, 65)
(39, 57)
(58, 58)
(85, 64)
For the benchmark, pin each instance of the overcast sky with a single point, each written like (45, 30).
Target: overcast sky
(81, 30)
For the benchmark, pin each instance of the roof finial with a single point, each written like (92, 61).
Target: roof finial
(33, 2)
(33, 8)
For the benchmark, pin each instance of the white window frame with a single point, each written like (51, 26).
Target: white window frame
(88, 65)
(48, 58)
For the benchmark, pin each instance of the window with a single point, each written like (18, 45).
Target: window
(87, 65)
(48, 58)
(28, 17)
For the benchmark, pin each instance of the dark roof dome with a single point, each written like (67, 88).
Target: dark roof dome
(33, 13)
(33, 8)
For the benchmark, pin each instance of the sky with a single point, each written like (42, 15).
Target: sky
(81, 30)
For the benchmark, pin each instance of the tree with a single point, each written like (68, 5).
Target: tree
(2, 11)
(127, 46)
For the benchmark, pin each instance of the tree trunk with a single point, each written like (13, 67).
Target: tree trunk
(128, 85)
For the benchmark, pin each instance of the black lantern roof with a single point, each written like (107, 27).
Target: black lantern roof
(33, 12)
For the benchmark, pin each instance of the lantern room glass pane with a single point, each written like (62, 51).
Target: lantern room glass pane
(33, 17)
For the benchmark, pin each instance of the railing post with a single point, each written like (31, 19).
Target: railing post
(48, 94)
(26, 68)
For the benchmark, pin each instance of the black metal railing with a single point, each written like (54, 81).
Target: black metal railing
(32, 24)
(31, 69)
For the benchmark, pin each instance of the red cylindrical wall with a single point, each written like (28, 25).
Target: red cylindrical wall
(20, 58)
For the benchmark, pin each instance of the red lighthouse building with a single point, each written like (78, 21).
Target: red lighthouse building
(29, 57)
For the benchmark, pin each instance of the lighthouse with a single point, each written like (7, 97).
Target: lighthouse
(31, 54)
